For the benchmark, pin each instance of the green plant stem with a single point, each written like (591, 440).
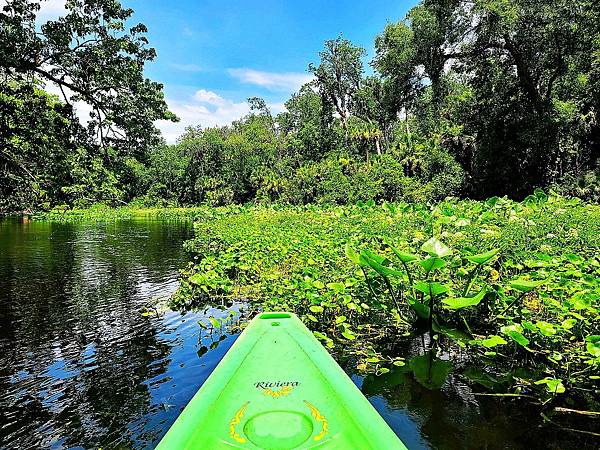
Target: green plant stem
(509, 306)
(472, 277)
(368, 282)
(410, 278)
(391, 289)
(592, 414)
(430, 314)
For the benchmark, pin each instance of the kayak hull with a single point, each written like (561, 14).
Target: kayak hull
(278, 388)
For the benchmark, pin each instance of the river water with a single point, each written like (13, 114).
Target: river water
(81, 366)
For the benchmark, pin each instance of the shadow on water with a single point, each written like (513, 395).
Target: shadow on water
(82, 367)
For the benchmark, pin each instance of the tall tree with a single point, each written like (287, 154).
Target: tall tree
(339, 74)
(91, 57)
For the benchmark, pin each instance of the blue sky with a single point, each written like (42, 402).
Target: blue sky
(213, 55)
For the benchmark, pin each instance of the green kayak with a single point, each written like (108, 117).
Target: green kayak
(278, 388)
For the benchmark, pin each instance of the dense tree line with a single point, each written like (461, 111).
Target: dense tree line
(47, 156)
(471, 98)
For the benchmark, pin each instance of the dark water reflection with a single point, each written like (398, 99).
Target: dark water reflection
(81, 367)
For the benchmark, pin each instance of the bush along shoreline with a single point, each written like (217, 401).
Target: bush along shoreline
(504, 295)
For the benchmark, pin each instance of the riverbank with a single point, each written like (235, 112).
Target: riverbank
(106, 213)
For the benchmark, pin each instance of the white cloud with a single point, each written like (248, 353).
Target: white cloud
(284, 81)
(207, 109)
(204, 108)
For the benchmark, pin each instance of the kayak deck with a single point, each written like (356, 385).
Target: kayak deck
(278, 388)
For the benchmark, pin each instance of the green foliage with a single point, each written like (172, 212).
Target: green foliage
(46, 156)
(90, 55)
(515, 284)
(453, 109)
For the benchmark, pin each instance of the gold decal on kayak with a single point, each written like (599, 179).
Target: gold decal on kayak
(286, 390)
(319, 418)
(236, 421)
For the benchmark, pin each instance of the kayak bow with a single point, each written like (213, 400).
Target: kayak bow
(278, 388)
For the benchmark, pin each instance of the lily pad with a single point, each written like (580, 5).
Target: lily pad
(493, 341)
(547, 329)
(515, 332)
(593, 345)
(483, 258)
(526, 285)
(435, 247)
(434, 288)
(464, 302)
(432, 263)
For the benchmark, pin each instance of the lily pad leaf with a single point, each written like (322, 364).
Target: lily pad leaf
(593, 345)
(432, 263)
(464, 302)
(349, 335)
(402, 256)
(526, 285)
(553, 385)
(569, 323)
(515, 332)
(430, 372)
(434, 288)
(337, 287)
(435, 247)
(546, 328)
(493, 341)
(421, 309)
(483, 258)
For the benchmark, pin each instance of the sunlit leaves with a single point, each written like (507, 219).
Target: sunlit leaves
(483, 258)
(526, 285)
(547, 329)
(553, 385)
(435, 247)
(515, 332)
(541, 319)
(593, 345)
(464, 302)
(493, 341)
